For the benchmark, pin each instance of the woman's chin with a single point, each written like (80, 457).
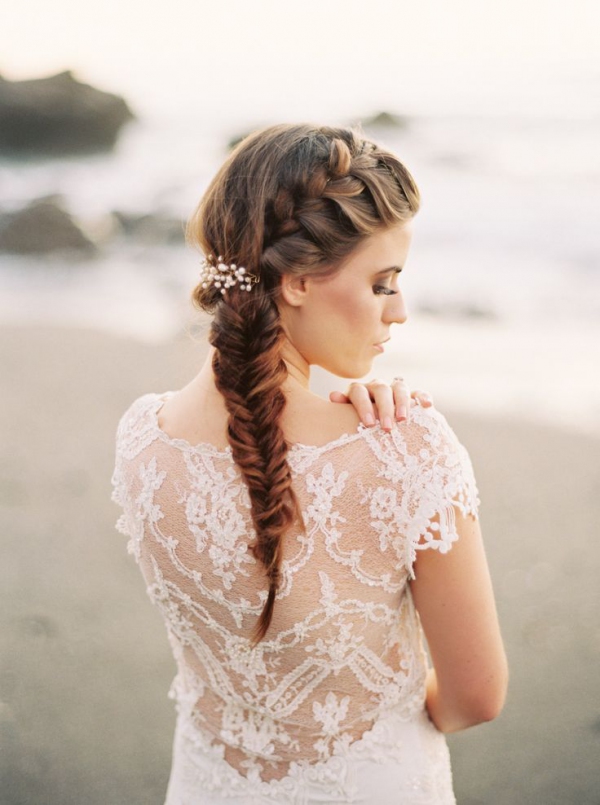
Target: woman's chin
(352, 371)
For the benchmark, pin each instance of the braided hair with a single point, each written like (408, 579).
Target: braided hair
(290, 200)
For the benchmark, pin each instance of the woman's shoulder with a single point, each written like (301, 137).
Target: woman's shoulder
(137, 425)
(425, 447)
(427, 430)
(430, 426)
(321, 423)
(312, 420)
(143, 402)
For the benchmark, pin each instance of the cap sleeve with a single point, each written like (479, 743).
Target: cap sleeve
(134, 433)
(437, 480)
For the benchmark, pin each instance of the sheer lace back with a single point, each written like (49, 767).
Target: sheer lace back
(344, 644)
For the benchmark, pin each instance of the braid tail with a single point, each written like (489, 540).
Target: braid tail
(249, 372)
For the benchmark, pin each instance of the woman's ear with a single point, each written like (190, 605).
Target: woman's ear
(293, 290)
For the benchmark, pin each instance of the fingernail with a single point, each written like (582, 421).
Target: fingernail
(387, 423)
(369, 419)
(401, 412)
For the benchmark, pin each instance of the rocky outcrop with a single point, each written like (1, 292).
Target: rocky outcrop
(236, 139)
(58, 115)
(385, 120)
(43, 226)
(152, 228)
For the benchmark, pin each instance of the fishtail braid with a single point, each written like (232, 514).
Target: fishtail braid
(249, 372)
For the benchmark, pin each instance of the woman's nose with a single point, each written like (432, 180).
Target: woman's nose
(395, 311)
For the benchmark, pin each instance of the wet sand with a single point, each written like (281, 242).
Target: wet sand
(84, 662)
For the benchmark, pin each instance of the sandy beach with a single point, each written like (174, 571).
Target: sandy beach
(84, 661)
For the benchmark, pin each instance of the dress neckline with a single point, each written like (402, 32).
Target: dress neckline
(216, 452)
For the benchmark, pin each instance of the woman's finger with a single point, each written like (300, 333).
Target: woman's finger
(401, 394)
(338, 397)
(422, 398)
(382, 395)
(360, 398)
(381, 401)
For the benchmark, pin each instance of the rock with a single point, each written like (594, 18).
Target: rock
(58, 115)
(386, 120)
(475, 311)
(152, 228)
(236, 139)
(41, 227)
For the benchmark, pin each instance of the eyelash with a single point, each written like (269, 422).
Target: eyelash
(383, 289)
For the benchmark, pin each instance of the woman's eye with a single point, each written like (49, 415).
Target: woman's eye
(377, 289)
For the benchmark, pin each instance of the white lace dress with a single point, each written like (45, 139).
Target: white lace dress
(330, 706)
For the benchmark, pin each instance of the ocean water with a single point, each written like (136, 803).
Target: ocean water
(502, 283)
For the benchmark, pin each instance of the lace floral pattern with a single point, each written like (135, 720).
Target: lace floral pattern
(339, 680)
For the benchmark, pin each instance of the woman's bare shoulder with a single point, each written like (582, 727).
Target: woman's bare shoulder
(309, 419)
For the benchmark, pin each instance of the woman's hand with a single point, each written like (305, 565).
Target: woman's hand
(381, 401)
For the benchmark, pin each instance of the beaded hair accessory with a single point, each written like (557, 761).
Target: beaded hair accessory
(223, 275)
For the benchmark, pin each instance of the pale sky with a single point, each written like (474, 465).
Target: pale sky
(239, 51)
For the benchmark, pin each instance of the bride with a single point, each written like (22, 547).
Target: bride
(298, 555)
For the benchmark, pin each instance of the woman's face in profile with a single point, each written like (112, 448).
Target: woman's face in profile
(341, 322)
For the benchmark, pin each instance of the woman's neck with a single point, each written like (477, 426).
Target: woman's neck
(298, 379)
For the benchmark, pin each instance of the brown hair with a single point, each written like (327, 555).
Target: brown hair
(291, 199)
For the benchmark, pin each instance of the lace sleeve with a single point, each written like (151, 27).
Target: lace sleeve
(134, 433)
(119, 485)
(438, 479)
(118, 496)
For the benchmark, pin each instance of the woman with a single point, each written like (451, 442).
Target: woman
(296, 555)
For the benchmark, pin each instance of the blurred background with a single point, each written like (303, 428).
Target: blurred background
(495, 109)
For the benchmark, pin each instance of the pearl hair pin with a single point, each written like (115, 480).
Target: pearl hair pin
(223, 275)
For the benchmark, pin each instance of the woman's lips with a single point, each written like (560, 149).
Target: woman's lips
(379, 346)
